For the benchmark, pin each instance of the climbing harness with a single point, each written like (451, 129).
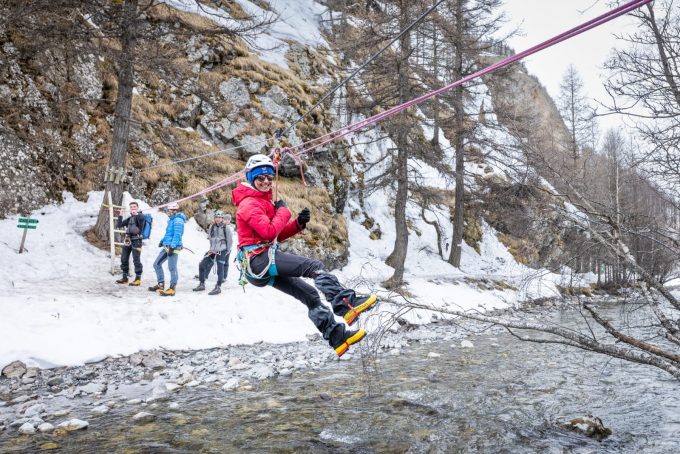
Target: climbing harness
(246, 253)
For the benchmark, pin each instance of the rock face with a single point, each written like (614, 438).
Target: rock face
(35, 162)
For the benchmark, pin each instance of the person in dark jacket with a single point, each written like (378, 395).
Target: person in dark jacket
(261, 224)
(220, 247)
(171, 244)
(132, 244)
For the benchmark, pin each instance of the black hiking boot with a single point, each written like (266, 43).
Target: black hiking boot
(122, 280)
(200, 288)
(361, 304)
(351, 337)
(216, 291)
(158, 287)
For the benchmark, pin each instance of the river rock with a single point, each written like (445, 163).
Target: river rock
(185, 378)
(134, 401)
(55, 381)
(60, 413)
(4, 390)
(136, 359)
(100, 410)
(31, 372)
(233, 361)
(20, 399)
(590, 426)
(15, 369)
(231, 384)
(261, 372)
(173, 406)
(144, 417)
(466, 344)
(154, 360)
(172, 387)
(27, 429)
(285, 372)
(45, 427)
(193, 383)
(92, 388)
(34, 410)
(433, 355)
(73, 425)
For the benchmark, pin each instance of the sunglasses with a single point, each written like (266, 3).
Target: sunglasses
(262, 178)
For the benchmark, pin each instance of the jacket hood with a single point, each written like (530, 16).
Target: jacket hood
(243, 191)
(179, 215)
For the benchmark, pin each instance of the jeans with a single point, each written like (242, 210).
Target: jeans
(206, 265)
(290, 269)
(135, 249)
(172, 267)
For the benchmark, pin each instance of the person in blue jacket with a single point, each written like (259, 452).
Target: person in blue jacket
(171, 244)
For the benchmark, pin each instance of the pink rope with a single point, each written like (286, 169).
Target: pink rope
(339, 133)
(307, 147)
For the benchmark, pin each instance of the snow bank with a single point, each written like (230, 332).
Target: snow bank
(60, 305)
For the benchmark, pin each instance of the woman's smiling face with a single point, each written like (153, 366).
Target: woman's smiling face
(263, 183)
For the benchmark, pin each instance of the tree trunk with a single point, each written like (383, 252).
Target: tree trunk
(398, 256)
(458, 143)
(121, 122)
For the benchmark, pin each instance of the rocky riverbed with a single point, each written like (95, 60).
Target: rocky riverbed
(60, 400)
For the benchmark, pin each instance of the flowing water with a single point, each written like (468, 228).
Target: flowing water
(503, 395)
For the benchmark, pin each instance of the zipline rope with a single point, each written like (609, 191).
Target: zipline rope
(309, 146)
(311, 109)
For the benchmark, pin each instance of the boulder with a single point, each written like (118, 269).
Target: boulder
(15, 369)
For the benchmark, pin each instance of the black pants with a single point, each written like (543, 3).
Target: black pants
(136, 249)
(290, 269)
(206, 265)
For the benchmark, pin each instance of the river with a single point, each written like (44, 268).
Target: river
(502, 395)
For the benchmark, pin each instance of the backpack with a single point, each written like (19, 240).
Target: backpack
(146, 231)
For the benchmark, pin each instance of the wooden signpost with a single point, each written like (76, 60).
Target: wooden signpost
(26, 224)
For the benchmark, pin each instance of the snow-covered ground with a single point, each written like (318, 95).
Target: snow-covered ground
(60, 305)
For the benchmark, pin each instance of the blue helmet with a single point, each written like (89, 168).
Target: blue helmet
(258, 164)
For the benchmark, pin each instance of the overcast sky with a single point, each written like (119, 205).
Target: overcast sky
(542, 19)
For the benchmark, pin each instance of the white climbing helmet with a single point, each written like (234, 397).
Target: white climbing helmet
(258, 164)
(172, 206)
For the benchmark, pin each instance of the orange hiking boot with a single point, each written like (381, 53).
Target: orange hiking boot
(169, 292)
(351, 337)
(361, 304)
(136, 283)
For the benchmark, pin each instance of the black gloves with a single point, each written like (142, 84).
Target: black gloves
(160, 243)
(279, 204)
(303, 217)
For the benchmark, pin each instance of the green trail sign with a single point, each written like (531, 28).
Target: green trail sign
(26, 224)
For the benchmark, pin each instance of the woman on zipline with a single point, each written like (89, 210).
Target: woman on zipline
(261, 224)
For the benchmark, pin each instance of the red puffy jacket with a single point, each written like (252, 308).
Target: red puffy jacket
(256, 220)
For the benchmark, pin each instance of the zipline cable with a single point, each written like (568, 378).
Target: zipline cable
(342, 132)
(606, 17)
